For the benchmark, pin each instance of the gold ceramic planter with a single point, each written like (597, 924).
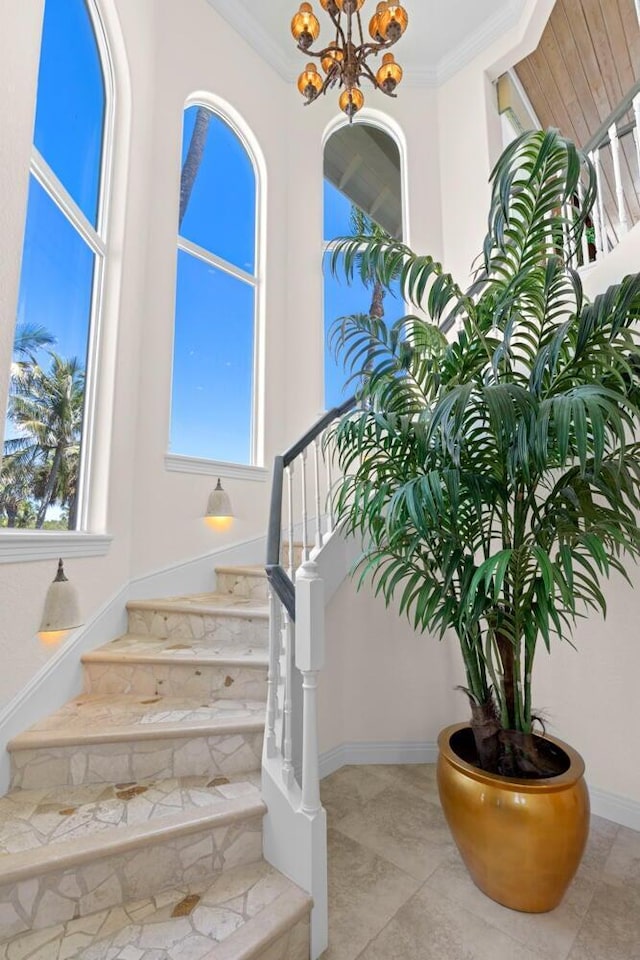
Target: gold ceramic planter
(521, 840)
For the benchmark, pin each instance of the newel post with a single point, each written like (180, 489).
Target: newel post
(309, 661)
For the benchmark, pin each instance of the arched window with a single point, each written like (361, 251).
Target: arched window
(42, 483)
(212, 408)
(362, 193)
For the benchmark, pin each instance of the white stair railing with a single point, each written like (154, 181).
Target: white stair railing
(295, 825)
(614, 151)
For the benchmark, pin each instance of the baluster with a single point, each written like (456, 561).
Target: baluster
(309, 660)
(275, 643)
(566, 234)
(636, 129)
(598, 207)
(329, 463)
(316, 464)
(287, 744)
(289, 472)
(617, 173)
(585, 242)
(305, 539)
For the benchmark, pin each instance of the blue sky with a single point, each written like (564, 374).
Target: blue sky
(213, 366)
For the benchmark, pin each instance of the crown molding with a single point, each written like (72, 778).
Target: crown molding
(237, 16)
(495, 27)
(430, 76)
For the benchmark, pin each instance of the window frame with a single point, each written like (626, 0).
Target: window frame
(184, 463)
(30, 544)
(373, 118)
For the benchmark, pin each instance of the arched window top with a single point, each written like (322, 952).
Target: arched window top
(218, 208)
(216, 376)
(71, 103)
(363, 192)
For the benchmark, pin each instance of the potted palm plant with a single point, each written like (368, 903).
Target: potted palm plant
(493, 477)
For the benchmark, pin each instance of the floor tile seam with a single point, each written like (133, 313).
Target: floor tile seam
(463, 908)
(391, 863)
(385, 925)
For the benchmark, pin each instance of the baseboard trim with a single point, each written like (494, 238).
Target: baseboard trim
(61, 679)
(611, 806)
(361, 752)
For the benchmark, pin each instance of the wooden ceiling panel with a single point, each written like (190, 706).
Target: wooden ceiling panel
(587, 60)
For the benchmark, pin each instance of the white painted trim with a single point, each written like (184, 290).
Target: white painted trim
(358, 752)
(611, 806)
(238, 17)
(287, 64)
(200, 253)
(492, 29)
(177, 463)
(63, 200)
(60, 678)
(24, 546)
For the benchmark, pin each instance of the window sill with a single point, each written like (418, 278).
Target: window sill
(24, 546)
(214, 468)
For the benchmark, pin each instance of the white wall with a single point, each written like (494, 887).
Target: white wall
(384, 683)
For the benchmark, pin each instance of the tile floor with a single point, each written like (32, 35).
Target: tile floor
(399, 891)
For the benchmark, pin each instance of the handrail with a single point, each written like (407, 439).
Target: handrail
(278, 578)
(602, 132)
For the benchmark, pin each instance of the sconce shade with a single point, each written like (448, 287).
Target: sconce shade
(61, 607)
(219, 504)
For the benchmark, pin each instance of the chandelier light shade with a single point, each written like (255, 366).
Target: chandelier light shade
(61, 608)
(345, 59)
(219, 510)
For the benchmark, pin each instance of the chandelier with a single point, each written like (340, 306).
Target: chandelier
(345, 61)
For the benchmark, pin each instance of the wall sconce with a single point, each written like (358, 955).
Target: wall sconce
(61, 608)
(219, 514)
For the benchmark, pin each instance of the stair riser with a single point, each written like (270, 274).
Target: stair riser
(87, 888)
(293, 945)
(179, 680)
(135, 760)
(242, 585)
(219, 632)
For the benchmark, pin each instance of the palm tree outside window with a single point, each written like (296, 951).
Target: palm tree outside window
(42, 480)
(213, 393)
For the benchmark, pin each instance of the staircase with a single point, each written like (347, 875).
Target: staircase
(133, 827)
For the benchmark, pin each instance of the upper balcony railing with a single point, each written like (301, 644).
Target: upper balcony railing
(615, 153)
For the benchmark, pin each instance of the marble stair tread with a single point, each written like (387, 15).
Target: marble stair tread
(211, 604)
(111, 718)
(31, 819)
(236, 916)
(91, 844)
(244, 570)
(145, 648)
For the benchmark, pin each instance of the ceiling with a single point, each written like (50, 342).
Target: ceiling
(442, 37)
(364, 164)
